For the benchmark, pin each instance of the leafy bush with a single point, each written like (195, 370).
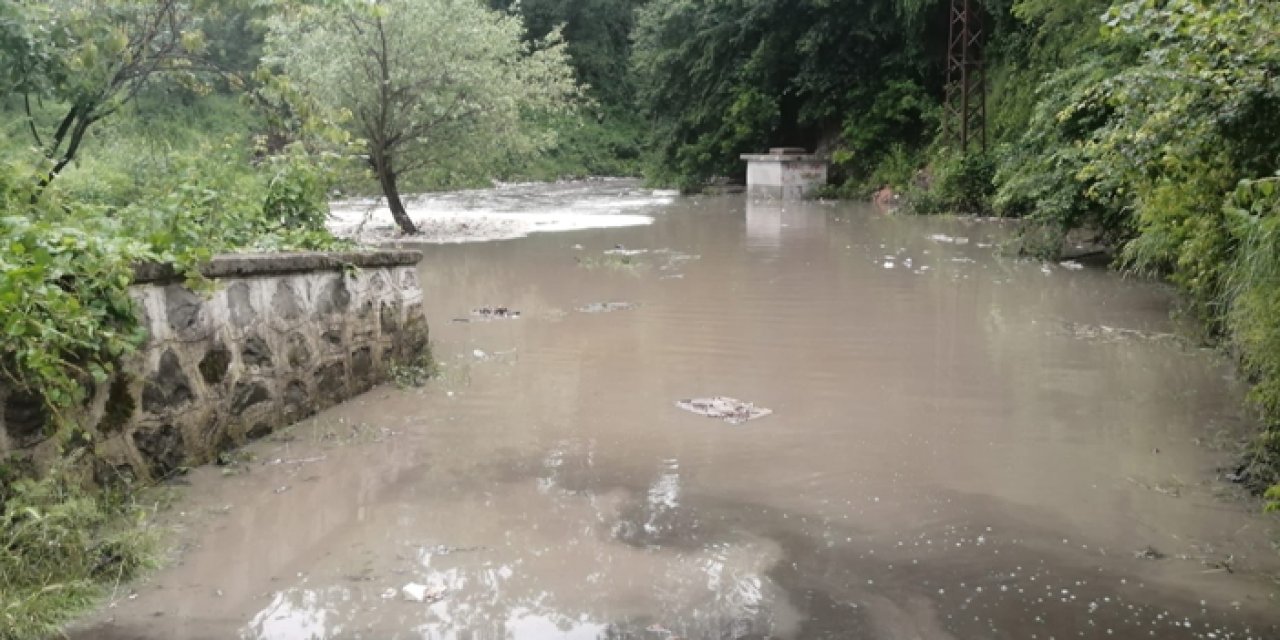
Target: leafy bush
(67, 316)
(896, 169)
(960, 184)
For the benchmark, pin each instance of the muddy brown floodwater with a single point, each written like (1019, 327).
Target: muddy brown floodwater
(961, 446)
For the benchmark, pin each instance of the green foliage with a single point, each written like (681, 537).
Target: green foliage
(66, 263)
(1039, 176)
(76, 62)
(66, 315)
(902, 115)
(724, 77)
(897, 169)
(960, 184)
(61, 547)
(416, 372)
(1162, 114)
(1252, 220)
(608, 142)
(434, 87)
(1031, 42)
(598, 36)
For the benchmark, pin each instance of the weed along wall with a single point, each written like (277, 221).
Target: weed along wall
(275, 338)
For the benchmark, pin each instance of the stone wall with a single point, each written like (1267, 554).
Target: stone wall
(276, 338)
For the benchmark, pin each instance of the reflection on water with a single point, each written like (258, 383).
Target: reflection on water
(962, 446)
(768, 220)
(299, 613)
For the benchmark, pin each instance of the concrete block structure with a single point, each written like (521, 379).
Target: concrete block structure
(784, 172)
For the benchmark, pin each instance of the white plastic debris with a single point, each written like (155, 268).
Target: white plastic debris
(1071, 264)
(606, 307)
(727, 409)
(414, 592)
(479, 354)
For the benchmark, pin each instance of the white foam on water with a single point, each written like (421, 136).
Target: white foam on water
(504, 212)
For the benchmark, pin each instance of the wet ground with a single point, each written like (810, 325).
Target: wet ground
(960, 446)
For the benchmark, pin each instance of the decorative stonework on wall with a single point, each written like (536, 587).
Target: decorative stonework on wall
(279, 337)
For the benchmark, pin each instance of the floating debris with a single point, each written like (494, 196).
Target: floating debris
(675, 257)
(1172, 489)
(946, 239)
(617, 262)
(414, 592)
(1148, 553)
(1071, 265)
(606, 307)
(620, 250)
(444, 549)
(1104, 333)
(494, 313)
(297, 460)
(727, 409)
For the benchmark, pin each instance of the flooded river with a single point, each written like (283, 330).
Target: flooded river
(960, 446)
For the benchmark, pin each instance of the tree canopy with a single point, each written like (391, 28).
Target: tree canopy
(90, 57)
(445, 86)
(723, 77)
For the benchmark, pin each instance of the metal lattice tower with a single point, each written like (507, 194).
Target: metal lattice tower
(965, 112)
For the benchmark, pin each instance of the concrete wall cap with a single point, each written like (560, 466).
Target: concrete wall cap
(241, 265)
(772, 157)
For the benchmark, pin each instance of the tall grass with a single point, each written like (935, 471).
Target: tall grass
(61, 548)
(1251, 293)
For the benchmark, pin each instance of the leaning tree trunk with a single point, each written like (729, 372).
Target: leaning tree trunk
(387, 178)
